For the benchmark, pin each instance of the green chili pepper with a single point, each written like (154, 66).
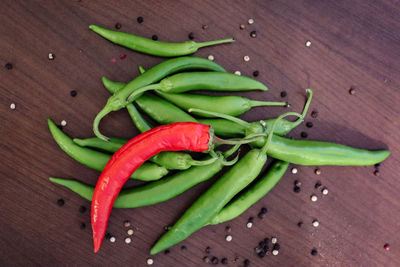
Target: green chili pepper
(172, 160)
(151, 47)
(252, 194)
(187, 81)
(217, 196)
(153, 192)
(161, 110)
(230, 105)
(97, 160)
(306, 152)
(152, 75)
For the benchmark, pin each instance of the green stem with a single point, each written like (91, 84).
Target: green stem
(232, 150)
(256, 103)
(305, 109)
(135, 94)
(96, 123)
(271, 133)
(141, 69)
(230, 162)
(203, 44)
(224, 116)
(203, 162)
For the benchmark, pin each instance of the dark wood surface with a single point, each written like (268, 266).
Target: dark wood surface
(353, 44)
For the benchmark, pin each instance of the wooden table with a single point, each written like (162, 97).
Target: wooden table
(354, 44)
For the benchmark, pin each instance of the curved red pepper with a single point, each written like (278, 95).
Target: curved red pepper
(173, 137)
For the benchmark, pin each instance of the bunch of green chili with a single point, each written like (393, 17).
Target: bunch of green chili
(160, 93)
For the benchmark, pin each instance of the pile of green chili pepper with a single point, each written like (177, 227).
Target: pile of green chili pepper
(160, 93)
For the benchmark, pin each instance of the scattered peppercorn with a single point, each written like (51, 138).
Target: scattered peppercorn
(251, 219)
(224, 261)
(264, 210)
(283, 94)
(250, 21)
(8, 66)
(191, 36)
(304, 134)
(167, 251)
(386, 247)
(73, 93)
(241, 26)
(314, 114)
(130, 232)
(246, 58)
(249, 225)
(228, 238)
(313, 198)
(204, 27)
(83, 225)
(261, 215)
(107, 236)
(60, 202)
(154, 37)
(294, 170)
(317, 171)
(297, 183)
(214, 260)
(261, 254)
(300, 224)
(377, 165)
(112, 239)
(12, 106)
(315, 223)
(309, 124)
(297, 189)
(139, 19)
(127, 223)
(308, 43)
(211, 57)
(325, 191)
(82, 209)
(317, 185)
(276, 246)
(376, 172)
(275, 252)
(253, 34)
(256, 73)
(352, 91)
(206, 259)
(118, 26)
(208, 250)
(228, 229)
(314, 252)
(183, 247)
(246, 262)
(52, 56)
(274, 240)
(149, 261)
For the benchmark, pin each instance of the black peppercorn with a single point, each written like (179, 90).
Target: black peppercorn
(214, 260)
(304, 134)
(253, 34)
(83, 225)
(297, 189)
(309, 124)
(73, 93)
(264, 210)
(261, 215)
(8, 66)
(261, 254)
(251, 219)
(139, 19)
(60, 202)
(314, 114)
(283, 94)
(299, 224)
(82, 209)
(107, 236)
(224, 261)
(191, 36)
(118, 26)
(277, 246)
(317, 185)
(246, 262)
(256, 73)
(183, 247)
(206, 259)
(167, 251)
(314, 252)
(154, 37)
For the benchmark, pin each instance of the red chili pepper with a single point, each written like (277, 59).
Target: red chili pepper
(173, 137)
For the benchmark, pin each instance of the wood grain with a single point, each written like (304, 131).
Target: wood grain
(353, 44)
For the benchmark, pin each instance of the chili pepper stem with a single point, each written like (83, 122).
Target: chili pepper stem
(141, 69)
(264, 149)
(203, 44)
(224, 116)
(305, 109)
(256, 103)
(217, 140)
(203, 162)
(140, 91)
(96, 123)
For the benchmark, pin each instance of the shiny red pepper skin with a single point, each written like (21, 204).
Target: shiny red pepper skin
(191, 136)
